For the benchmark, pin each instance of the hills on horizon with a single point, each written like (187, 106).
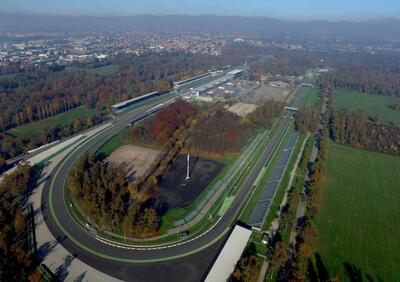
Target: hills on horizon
(380, 28)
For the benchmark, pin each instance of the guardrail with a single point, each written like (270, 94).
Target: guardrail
(31, 231)
(48, 275)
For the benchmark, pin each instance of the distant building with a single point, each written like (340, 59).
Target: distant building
(124, 104)
(236, 73)
(185, 82)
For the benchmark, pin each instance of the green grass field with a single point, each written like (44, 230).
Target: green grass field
(313, 98)
(359, 216)
(106, 70)
(371, 104)
(28, 130)
(115, 142)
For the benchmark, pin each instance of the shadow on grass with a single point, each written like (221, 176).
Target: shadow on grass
(319, 273)
(356, 274)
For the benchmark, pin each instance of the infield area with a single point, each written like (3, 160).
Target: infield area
(175, 191)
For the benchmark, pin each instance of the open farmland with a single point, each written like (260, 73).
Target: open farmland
(359, 216)
(371, 104)
(133, 159)
(106, 70)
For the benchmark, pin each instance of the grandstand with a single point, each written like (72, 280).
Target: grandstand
(185, 82)
(230, 254)
(120, 106)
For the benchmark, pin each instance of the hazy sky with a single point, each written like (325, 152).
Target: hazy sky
(287, 9)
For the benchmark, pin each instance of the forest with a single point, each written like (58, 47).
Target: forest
(307, 119)
(158, 130)
(219, 134)
(222, 133)
(216, 133)
(265, 114)
(355, 129)
(286, 63)
(16, 262)
(47, 91)
(12, 146)
(104, 195)
(375, 74)
(352, 128)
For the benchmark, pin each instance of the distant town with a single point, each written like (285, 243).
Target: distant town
(66, 48)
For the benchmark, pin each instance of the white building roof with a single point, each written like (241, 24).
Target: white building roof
(127, 102)
(235, 71)
(230, 255)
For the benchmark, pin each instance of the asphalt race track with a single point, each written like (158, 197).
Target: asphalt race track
(190, 260)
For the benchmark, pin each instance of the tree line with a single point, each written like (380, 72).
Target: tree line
(265, 114)
(375, 74)
(171, 128)
(299, 261)
(218, 134)
(159, 129)
(353, 129)
(247, 268)
(12, 146)
(286, 63)
(16, 262)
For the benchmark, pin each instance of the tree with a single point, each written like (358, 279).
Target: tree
(246, 270)
(280, 255)
(149, 221)
(20, 222)
(2, 163)
(35, 276)
(89, 121)
(77, 125)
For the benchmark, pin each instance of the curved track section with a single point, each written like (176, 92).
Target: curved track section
(114, 259)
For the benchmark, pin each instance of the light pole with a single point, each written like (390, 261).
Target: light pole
(187, 178)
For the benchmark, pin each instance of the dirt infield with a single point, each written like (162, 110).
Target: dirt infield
(269, 92)
(135, 159)
(175, 191)
(242, 109)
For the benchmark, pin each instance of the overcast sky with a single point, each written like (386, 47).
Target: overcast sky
(284, 9)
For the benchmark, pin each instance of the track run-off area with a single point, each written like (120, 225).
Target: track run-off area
(89, 247)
